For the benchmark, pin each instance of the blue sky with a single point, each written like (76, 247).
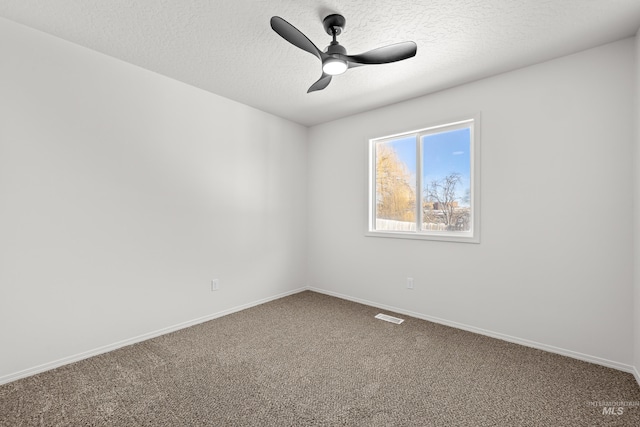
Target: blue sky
(443, 153)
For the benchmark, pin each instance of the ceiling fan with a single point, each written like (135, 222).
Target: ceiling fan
(335, 59)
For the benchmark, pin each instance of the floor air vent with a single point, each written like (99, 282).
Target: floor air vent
(389, 318)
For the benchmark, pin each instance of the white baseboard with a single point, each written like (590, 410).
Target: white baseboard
(636, 374)
(110, 347)
(540, 346)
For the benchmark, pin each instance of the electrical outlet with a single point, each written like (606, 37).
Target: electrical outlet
(409, 282)
(215, 285)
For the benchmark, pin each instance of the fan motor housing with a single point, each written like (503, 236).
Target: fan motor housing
(336, 47)
(334, 24)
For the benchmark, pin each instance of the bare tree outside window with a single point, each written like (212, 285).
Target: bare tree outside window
(442, 205)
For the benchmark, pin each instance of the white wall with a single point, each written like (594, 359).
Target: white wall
(123, 193)
(636, 218)
(554, 266)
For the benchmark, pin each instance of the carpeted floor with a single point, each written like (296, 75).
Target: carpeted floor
(313, 360)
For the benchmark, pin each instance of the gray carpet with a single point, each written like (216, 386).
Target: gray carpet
(313, 360)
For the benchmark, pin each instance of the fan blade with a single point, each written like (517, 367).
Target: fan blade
(322, 82)
(386, 54)
(294, 36)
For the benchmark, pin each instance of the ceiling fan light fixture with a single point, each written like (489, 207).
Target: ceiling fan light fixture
(334, 66)
(334, 58)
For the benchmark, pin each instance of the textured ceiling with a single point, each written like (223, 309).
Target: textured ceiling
(228, 47)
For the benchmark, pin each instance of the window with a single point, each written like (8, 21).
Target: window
(425, 184)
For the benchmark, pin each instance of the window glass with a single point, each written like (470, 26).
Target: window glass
(446, 181)
(396, 184)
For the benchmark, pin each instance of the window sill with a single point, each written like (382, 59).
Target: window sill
(441, 237)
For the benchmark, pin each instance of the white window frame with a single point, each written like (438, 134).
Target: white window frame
(473, 235)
